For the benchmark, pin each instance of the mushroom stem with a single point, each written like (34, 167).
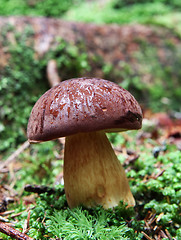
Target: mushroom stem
(92, 173)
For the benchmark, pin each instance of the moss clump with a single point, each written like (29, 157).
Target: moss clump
(155, 183)
(35, 7)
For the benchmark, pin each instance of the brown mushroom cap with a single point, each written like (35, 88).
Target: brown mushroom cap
(83, 105)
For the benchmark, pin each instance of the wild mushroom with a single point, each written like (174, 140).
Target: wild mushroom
(83, 109)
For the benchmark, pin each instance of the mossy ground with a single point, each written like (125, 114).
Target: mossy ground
(153, 167)
(151, 157)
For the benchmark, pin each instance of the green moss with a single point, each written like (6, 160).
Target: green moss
(78, 223)
(159, 195)
(17, 89)
(35, 8)
(108, 13)
(24, 80)
(155, 183)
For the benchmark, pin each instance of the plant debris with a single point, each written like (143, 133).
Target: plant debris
(42, 189)
(12, 232)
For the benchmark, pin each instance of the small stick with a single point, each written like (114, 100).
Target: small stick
(162, 234)
(6, 213)
(27, 223)
(3, 219)
(18, 214)
(146, 236)
(13, 156)
(52, 73)
(13, 233)
(168, 234)
(39, 189)
(42, 189)
(159, 174)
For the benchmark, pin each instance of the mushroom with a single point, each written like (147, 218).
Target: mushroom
(83, 110)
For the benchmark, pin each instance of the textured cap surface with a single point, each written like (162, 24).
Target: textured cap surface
(83, 105)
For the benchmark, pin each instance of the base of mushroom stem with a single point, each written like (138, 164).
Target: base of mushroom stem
(92, 173)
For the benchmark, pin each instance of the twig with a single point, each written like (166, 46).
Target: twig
(159, 174)
(6, 213)
(13, 156)
(42, 189)
(13, 233)
(162, 234)
(146, 236)
(52, 73)
(168, 234)
(27, 223)
(18, 214)
(3, 219)
(39, 189)
(43, 221)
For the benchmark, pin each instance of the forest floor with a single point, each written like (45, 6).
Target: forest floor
(152, 159)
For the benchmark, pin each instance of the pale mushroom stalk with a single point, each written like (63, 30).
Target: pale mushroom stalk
(93, 175)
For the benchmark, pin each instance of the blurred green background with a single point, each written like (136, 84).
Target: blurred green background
(24, 72)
